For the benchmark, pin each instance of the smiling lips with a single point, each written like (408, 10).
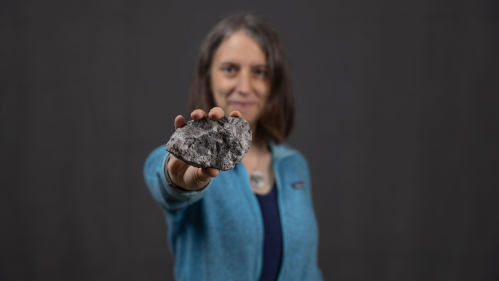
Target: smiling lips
(242, 105)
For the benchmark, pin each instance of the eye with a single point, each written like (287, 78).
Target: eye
(229, 70)
(261, 72)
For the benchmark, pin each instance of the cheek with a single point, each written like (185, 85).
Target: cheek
(215, 89)
(220, 101)
(226, 86)
(221, 86)
(264, 91)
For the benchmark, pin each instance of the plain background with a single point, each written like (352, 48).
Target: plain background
(397, 114)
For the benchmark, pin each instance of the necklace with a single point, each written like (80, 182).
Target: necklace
(257, 179)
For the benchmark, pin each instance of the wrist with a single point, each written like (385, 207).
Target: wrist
(174, 186)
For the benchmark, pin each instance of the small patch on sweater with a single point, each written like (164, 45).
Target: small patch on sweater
(298, 184)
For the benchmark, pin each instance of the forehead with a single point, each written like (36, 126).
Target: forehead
(240, 48)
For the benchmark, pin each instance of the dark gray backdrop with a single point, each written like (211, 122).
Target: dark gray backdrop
(397, 115)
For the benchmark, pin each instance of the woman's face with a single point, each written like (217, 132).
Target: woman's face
(239, 77)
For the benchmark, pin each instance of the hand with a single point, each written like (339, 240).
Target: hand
(185, 175)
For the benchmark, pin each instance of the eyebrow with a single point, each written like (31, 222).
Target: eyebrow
(233, 63)
(261, 65)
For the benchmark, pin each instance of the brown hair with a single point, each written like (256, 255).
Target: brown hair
(278, 117)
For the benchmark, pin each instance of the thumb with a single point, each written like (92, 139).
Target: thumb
(196, 178)
(209, 172)
(204, 175)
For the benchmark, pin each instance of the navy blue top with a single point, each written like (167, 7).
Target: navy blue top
(272, 245)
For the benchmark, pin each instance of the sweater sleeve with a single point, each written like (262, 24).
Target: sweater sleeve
(155, 179)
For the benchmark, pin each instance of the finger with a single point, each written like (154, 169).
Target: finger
(210, 172)
(198, 114)
(235, 113)
(179, 122)
(216, 113)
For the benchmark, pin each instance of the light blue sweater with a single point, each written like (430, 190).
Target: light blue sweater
(217, 233)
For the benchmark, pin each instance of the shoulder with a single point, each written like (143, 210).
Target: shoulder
(288, 153)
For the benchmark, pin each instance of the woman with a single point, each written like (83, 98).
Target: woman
(256, 221)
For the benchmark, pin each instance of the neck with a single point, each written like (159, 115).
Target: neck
(258, 162)
(257, 145)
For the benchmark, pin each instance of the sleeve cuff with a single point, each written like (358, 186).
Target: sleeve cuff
(190, 196)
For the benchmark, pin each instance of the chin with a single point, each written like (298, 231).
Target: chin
(251, 120)
(248, 115)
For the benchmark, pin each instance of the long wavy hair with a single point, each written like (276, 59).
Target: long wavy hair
(278, 117)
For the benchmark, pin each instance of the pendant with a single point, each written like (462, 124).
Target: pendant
(257, 179)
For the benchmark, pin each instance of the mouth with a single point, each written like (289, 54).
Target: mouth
(242, 105)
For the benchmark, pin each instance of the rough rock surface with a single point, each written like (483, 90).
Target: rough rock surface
(205, 143)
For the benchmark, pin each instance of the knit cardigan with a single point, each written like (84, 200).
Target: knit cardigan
(217, 233)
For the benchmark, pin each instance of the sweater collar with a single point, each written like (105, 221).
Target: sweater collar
(280, 151)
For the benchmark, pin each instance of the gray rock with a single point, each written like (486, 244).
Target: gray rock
(205, 143)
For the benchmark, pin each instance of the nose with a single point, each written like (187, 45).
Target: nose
(244, 84)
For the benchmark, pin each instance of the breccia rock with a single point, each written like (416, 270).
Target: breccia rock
(206, 143)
